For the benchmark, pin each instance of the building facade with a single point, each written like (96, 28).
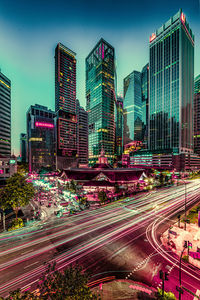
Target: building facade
(119, 126)
(82, 135)
(65, 106)
(197, 115)
(197, 84)
(132, 108)
(41, 139)
(5, 116)
(171, 87)
(145, 103)
(100, 90)
(23, 147)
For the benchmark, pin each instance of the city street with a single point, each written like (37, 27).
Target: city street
(120, 239)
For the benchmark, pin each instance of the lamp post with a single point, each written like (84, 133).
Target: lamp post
(180, 287)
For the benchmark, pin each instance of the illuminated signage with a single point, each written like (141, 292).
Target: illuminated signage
(35, 139)
(12, 161)
(44, 125)
(152, 37)
(183, 17)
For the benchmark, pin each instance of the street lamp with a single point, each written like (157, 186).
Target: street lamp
(179, 289)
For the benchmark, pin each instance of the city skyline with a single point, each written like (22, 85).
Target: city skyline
(27, 53)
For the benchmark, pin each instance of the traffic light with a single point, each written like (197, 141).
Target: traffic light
(161, 274)
(189, 245)
(166, 276)
(185, 244)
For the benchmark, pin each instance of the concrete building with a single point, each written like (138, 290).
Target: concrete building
(65, 106)
(41, 139)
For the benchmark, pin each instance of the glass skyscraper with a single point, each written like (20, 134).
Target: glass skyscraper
(65, 105)
(171, 87)
(119, 126)
(132, 108)
(145, 103)
(197, 84)
(82, 134)
(100, 90)
(197, 115)
(5, 116)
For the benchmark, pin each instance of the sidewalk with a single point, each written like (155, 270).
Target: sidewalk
(175, 237)
(124, 289)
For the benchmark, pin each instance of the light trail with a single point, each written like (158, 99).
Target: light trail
(92, 222)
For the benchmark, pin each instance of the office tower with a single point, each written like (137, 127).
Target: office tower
(5, 116)
(119, 126)
(23, 147)
(100, 91)
(65, 106)
(132, 108)
(197, 84)
(171, 87)
(197, 115)
(82, 135)
(41, 140)
(145, 103)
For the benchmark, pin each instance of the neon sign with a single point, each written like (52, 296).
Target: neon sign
(152, 37)
(44, 124)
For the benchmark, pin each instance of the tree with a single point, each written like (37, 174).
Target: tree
(102, 196)
(3, 206)
(167, 295)
(18, 295)
(17, 192)
(117, 189)
(70, 284)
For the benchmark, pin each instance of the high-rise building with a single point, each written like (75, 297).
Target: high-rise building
(5, 116)
(65, 106)
(41, 125)
(132, 108)
(119, 126)
(197, 115)
(82, 135)
(197, 84)
(100, 91)
(23, 147)
(171, 87)
(145, 103)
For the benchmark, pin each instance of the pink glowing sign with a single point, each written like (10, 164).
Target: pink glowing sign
(102, 51)
(44, 124)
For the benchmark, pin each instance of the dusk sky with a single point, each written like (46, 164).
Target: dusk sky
(30, 30)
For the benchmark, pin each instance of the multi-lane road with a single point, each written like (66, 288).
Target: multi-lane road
(120, 239)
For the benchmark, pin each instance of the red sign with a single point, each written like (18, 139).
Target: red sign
(44, 124)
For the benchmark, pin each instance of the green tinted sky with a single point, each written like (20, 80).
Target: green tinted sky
(30, 30)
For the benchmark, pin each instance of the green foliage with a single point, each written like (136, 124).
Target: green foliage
(17, 192)
(167, 295)
(71, 284)
(102, 196)
(16, 224)
(117, 189)
(185, 258)
(18, 295)
(22, 168)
